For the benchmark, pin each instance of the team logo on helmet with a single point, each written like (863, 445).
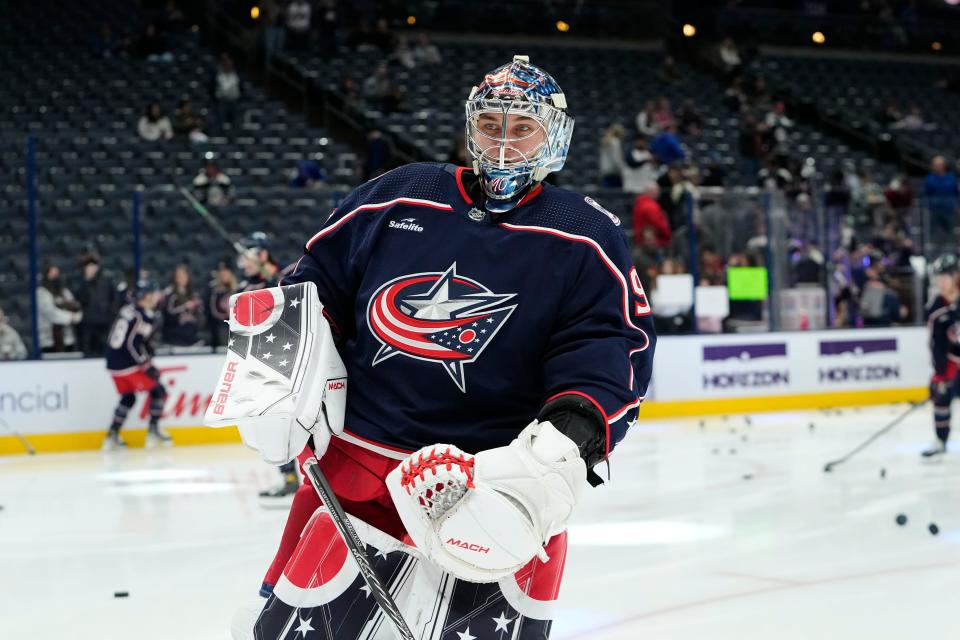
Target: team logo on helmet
(444, 318)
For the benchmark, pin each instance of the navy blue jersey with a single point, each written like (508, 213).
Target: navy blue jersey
(941, 324)
(128, 347)
(457, 327)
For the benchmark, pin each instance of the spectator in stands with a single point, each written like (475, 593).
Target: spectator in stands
(274, 33)
(777, 126)
(11, 345)
(670, 319)
(307, 175)
(690, 121)
(751, 144)
(188, 124)
(212, 186)
(912, 121)
(298, 16)
(647, 213)
(611, 157)
(879, 305)
(403, 54)
(807, 263)
(58, 313)
(379, 153)
(663, 114)
(759, 94)
(730, 59)
(221, 287)
(668, 72)
(940, 189)
(426, 53)
(712, 272)
(647, 120)
(383, 38)
(97, 297)
(890, 114)
(350, 92)
(734, 96)
(378, 87)
(673, 194)
(639, 165)
(153, 125)
(226, 91)
(773, 175)
(867, 201)
(152, 46)
(666, 147)
(182, 309)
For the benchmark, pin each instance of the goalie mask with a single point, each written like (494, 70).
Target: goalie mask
(517, 131)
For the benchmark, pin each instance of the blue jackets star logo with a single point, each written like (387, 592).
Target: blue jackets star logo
(445, 318)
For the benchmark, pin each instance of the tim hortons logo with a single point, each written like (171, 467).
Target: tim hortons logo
(227, 383)
(181, 402)
(468, 546)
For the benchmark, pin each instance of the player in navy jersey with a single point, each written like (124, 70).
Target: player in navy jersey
(129, 356)
(482, 308)
(942, 320)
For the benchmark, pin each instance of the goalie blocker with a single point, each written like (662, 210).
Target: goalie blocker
(283, 379)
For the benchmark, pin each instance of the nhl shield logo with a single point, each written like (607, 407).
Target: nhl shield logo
(445, 318)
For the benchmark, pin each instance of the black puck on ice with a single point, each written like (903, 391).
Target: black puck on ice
(811, 426)
(883, 473)
(121, 594)
(934, 529)
(748, 476)
(901, 519)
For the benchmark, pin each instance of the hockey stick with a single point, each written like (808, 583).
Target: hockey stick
(357, 549)
(211, 220)
(914, 406)
(16, 434)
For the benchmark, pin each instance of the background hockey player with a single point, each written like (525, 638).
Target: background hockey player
(498, 343)
(942, 324)
(129, 360)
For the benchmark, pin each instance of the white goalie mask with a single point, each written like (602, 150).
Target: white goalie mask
(517, 131)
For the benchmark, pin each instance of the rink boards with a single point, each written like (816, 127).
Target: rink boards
(66, 405)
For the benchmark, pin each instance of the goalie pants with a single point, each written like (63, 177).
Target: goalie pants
(313, 582)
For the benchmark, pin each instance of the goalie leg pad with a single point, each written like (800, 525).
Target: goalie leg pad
(283, 379)
(519, 606)
(321, 591)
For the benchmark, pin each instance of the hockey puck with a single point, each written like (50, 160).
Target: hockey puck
(901, 519)
(934, 529)
(883, 473)
(748, 476)
(811, 426)
(121, 594)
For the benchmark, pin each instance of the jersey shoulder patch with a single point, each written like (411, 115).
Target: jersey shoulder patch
(596, 205)
(573, 213)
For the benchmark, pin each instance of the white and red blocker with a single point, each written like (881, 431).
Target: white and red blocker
(283, 379)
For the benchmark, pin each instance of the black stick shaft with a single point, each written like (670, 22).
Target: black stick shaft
(357, 549)
(868, 441)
